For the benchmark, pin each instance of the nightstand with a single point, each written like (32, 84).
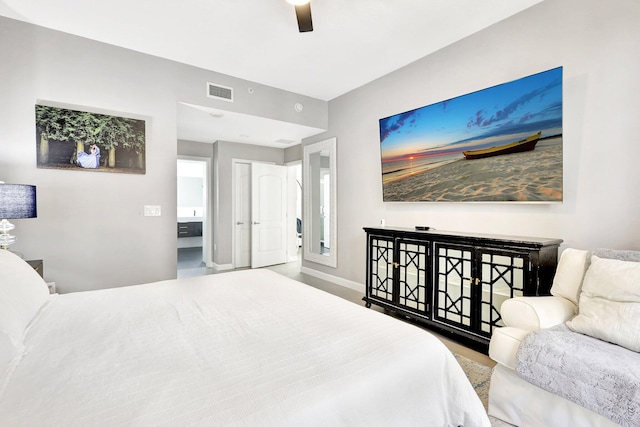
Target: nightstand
(38, 265)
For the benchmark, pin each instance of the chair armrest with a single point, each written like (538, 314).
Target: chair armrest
(504, 344)
(532, 313)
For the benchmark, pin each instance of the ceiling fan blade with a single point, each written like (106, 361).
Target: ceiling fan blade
(303, 13)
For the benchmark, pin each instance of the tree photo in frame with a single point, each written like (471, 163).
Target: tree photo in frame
(81, 140)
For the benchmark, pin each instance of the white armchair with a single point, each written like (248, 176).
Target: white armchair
(513, 399)
(533, 313)
(522, 315)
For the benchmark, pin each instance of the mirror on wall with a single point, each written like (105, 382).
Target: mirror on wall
(319, 221)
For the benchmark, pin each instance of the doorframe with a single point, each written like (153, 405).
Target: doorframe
(207, 226)
(234, 162)
(291, 212)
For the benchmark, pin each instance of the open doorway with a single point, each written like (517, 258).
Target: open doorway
(193, 212)
(294, 211)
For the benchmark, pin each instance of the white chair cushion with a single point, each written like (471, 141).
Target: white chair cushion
(533, 313)
(22, 293)
(504, 345)
(609, 306)
(569, 274)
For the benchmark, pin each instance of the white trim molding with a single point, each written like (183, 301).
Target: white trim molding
(222, 267)
(334, 279)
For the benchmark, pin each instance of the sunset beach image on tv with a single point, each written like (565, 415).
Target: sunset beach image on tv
(500, 144)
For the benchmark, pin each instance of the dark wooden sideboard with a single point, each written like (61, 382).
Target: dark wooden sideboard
(455, 282)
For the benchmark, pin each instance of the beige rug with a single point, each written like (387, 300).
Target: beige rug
(480, 378)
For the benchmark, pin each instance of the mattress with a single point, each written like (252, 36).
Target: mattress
(246, 348)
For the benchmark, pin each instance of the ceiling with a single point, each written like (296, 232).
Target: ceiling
(353, 42)
(203, 124)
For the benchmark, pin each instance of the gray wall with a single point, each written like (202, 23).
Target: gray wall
(90, 230)
(598, 44)
(293, 154)
(195, 149)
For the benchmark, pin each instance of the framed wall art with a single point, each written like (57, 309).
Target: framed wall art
(500, 144)
(81, 140)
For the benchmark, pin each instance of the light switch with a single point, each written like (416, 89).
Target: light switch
(152, 210)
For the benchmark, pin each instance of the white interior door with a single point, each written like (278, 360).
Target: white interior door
(268, 214)
(242, 220)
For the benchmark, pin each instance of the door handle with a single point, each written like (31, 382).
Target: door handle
(255, 223)
(239, 222)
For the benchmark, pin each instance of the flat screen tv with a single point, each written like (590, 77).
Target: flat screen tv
(500, 144)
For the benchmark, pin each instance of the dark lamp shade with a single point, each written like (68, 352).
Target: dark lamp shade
(17, 201)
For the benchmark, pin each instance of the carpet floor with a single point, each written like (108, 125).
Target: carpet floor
(480, 378)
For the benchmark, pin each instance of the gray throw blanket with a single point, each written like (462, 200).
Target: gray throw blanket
(597, 375)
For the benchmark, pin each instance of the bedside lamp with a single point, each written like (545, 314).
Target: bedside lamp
(16, 201)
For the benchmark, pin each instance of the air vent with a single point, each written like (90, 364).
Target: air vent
(223, 93)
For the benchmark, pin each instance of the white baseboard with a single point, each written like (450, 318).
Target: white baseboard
(334, 279)
(222, 267)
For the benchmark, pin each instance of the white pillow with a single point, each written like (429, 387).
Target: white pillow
(609, 307)
(569, 274)
(22, 293)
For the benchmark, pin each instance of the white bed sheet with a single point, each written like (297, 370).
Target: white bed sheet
(247, 348)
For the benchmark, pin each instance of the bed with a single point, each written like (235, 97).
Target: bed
(242, 348)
